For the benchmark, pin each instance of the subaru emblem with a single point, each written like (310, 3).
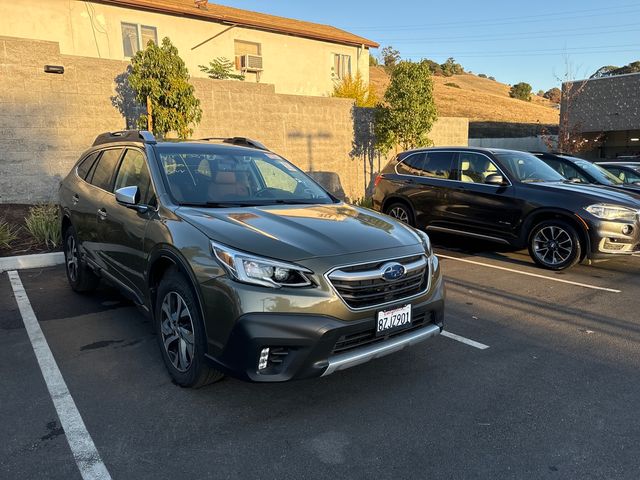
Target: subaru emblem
(393, 271)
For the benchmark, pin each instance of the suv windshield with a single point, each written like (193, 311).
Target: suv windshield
(526, 167)
(597, 172)
(224, 177)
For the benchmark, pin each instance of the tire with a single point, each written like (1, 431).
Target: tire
(182, 340)
(555, 245)
(81, 278)
(400, 211)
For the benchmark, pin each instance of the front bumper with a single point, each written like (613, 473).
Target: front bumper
(307, 346)
(606, 238)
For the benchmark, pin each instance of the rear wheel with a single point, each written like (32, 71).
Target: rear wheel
(400, 211)
(555, 244)
(180, 332)
(81, 278)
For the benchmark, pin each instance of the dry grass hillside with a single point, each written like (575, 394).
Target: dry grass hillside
(479, 99)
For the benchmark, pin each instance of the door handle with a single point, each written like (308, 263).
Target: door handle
(102, 214)
(75, 199)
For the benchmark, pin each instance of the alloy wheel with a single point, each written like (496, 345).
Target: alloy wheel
(399, 213)
(177, 331)
(71, 252)
(553, 245)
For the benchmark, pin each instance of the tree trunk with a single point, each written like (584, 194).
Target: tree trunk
(149, 115)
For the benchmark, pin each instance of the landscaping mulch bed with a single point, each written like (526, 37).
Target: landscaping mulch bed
(14, 214)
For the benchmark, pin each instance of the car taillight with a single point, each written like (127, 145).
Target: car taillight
(377, 180)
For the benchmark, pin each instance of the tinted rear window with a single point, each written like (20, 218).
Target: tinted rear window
(103, 171)
(86, 165)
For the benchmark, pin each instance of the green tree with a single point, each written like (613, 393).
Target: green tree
(554, 94)
(521, 91)
(450, 67)
(160, 80)
(355, 87)
(221, 68)
(373, 61)
(390, 57)
(408, 112)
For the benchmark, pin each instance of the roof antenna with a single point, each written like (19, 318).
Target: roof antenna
(201, 4)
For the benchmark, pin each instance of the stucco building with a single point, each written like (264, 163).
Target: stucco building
(297, 57)
(605, 110)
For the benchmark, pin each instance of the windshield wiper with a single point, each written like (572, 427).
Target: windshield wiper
(219, 204)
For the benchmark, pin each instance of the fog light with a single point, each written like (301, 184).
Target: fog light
(627, 229)
(264, 358)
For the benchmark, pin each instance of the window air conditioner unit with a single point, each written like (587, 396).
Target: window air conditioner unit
(251, 63)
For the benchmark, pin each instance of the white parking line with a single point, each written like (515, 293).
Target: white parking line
(82, 447)
(473, 343)
(553, 279)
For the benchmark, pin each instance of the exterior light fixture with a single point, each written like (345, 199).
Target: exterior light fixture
(634, 139)
(57, 69)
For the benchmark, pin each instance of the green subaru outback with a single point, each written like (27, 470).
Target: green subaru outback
(245, 264)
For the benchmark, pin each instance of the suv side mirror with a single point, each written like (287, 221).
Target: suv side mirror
(128, 196)
(495, 179)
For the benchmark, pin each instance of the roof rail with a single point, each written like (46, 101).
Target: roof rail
(143, 136)
(240, 141)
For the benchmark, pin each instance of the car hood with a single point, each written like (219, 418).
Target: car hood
(297, 232)
(593, 193)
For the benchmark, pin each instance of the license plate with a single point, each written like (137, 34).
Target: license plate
(396, 319)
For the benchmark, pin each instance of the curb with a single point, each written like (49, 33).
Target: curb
(38, 260)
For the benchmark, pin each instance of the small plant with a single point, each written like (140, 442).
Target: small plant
(366, 202)
(453, 85)
(44, 225)
(355, 87)
(8, 234)
(221, 68)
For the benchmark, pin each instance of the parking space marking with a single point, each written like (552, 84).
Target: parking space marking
(529, 274)
(82, 447)
(468, 341)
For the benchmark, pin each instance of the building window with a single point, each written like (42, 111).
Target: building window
(341, 66)
(136, 37)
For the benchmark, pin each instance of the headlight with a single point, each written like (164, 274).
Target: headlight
(612, 212)
(265, 272)
(426, 242)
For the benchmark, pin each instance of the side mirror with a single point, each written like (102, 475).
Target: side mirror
(495, 179)
(128, 196)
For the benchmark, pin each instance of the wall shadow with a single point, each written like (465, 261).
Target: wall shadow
(125, 100)
(310, 138)
(364, 146)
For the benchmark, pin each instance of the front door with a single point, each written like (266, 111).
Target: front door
(123, 228)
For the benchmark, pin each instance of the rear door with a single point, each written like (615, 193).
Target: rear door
(426, 180)
(477, 207)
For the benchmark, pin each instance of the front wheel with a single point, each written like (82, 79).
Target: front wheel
(181, 334)
(555, 245)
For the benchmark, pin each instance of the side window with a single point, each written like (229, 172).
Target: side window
(475, 168)
(571, 173)
(275, 178)
(86, 164)
(413, 164)
(133, 172)
(104, 167)
(438, 165)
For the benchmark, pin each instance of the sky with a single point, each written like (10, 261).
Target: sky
(540, 43)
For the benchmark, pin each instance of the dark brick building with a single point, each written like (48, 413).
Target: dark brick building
(608, 108)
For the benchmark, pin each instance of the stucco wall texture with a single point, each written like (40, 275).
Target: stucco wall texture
(48, 120)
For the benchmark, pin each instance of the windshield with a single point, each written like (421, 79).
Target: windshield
(597, 172)
(230, 177)
(526, 167)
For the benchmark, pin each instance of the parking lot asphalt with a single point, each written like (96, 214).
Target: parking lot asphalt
(555, 395)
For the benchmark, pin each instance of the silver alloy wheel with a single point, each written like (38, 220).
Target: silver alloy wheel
(553, 245)
(399, 213)
(71, 256)
(176, 327)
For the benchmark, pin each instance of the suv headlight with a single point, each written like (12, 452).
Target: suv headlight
(426, 242)
(612, 212)
(248, 268)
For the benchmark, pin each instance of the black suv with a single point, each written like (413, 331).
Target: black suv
(509, 197)
(245, 264)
